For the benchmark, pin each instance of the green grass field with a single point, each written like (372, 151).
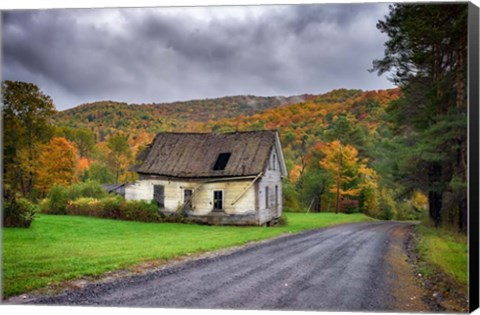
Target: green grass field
(59, 248)
(445, 251)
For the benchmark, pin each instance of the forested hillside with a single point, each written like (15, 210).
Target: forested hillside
(106, 118)
(335, 146)
(316, 132)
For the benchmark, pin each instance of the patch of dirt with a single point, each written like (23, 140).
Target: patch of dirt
(406, 290)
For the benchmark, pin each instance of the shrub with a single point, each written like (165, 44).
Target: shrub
(388, 206)
(56, 201)
(175, 217)
(85, 206)
(282, 221)
(90, 199)
(113, 207)
(59, 196)
(88, 189)
(18, 213)
(349, 205)
(139, 210)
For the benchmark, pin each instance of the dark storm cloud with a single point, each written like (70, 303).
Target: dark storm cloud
(167, 54)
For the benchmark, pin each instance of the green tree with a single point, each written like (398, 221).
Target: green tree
(84, 139)
(427, 51)
(345, 129)
(120, 155)
(98, 172)
(26, 114)
(315, 183)
(314, 180)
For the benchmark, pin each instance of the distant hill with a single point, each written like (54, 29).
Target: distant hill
(303, 121)
(358, 116)
(109, 116)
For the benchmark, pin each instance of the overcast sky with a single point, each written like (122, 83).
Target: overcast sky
(168, 54)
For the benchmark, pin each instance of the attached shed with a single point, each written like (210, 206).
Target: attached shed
(117, 189)
(230, 178)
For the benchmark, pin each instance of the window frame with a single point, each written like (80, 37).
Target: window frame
(266, 197)
(276, 196)
(222, 200)
(191, 199)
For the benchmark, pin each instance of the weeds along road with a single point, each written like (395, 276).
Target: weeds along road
(338, 268)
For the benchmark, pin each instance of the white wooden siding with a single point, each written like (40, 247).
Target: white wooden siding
(202, 202)
(271, 178)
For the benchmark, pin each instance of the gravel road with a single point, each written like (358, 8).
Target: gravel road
(342, 268)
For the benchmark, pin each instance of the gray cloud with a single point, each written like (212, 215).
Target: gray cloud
(169, 54)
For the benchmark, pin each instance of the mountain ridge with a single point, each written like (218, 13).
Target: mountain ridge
(306, 112)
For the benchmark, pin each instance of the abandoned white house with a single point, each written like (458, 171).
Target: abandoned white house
(231, 178)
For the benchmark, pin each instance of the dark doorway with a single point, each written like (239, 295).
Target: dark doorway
(159, 195)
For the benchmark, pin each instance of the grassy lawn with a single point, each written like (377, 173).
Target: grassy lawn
(445, 251)
(59, 248)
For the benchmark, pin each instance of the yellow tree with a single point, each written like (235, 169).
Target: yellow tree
(57, 164)
(370, 195)
(342, 164)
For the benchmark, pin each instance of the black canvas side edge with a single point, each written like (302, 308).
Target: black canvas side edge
(473, 86)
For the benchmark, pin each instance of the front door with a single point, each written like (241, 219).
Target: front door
(187, 199)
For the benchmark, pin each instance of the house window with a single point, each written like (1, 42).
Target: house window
(218, 200)
(222, 161)
(274, 162)
(187, 199)
(266, 197)
(276, 196)
(159, 195)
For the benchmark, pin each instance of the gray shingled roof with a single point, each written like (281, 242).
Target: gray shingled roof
(194, 154)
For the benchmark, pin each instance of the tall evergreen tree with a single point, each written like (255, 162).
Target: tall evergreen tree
(427, 51)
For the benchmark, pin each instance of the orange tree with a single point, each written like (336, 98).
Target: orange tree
(57, 164)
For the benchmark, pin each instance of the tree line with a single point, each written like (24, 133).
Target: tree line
(39, 155)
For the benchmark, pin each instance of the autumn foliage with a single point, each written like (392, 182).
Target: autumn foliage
(327, 141)
(57, 164)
